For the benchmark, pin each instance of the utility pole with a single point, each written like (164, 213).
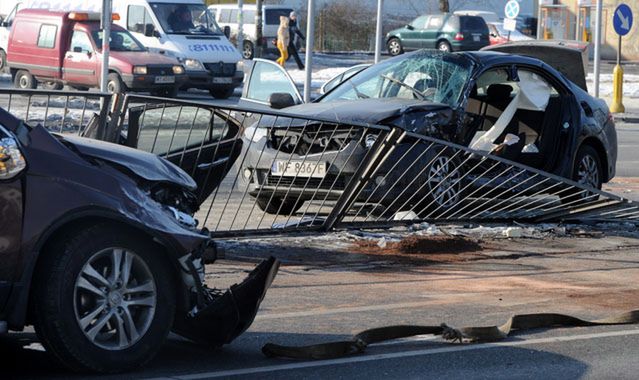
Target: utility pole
(378, 31)
(258, 28)
(597, 46)
(310, 37)
(106, 37)
(240, 26)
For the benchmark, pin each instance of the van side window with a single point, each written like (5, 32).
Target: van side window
(137, 18)
(80, 40)
(225, 16)
(46, 37)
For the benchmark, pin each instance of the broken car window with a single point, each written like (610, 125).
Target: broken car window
(426, 75)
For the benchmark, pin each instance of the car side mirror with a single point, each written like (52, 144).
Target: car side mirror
(410, 27)
(77, 49)
(227, 31)
(279, 100)
(149, 30)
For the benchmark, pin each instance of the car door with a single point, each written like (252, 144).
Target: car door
(203, 141)
(266, 78)
(413, 33)
(428, 36)
(80, 61)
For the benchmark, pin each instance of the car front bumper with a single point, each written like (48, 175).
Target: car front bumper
(152, 82)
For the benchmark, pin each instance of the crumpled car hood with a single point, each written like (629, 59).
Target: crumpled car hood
(371, 111)
(145, 165)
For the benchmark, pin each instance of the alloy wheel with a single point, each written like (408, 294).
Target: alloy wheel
(394, 47)
(114, 299)
(443, 182)
(588, 171)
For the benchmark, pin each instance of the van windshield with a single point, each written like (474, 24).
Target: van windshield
(185, 18)
(121, 40)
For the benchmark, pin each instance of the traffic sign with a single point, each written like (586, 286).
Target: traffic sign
(510, 24)
(622, 19)
(511, 10)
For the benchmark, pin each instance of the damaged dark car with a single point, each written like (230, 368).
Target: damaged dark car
(102, 254)
(518, 107)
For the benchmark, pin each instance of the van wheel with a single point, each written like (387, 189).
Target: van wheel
(104, 300)
(52, 86)
(24, 80)
(248, 51)
(79, 88)
(395, 46)
(115, 84)
(222, 93)
(444, 46)
(3, 60)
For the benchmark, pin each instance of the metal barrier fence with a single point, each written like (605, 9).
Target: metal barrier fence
(264, 172)
(57, 111)
(267, 171)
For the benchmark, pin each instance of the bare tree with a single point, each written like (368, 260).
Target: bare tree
(444, 7)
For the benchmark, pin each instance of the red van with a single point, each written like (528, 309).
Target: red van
(58, 48)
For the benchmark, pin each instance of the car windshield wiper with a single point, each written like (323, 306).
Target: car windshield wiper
(415, 91)
(359, 94)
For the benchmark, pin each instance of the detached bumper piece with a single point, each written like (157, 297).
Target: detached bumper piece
(219, 317)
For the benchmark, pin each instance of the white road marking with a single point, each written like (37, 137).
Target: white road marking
(396, 355)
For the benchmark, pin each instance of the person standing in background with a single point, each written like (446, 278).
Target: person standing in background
(283, 39)
(295, 32)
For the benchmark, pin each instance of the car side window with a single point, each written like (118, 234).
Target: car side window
(137, 18)
(80, 40)
(165, 130)
(420, 22)
(267, 79)
(435, 22)
(46, 37)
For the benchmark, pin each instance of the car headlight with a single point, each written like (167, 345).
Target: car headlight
(193, 64)
(370, 140)
(140, 70)
(255, 133)
(177, 69)
(12, 162)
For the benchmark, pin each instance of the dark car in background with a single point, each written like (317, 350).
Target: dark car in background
(445, 32)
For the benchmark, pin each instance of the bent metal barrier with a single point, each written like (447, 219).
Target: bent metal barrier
(271, 171)
(265, 172)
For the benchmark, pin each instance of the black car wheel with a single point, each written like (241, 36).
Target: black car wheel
(3, 60)
(587, 168)
(79, 88)
(443, 186)
(279, 207)
(103, 300)
(222, 93)
(444, 46)
(248, 51)
(115, 84)
(395, 46)
(24, 80)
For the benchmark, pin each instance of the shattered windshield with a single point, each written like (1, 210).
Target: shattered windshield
(185, 19)
(426, 75)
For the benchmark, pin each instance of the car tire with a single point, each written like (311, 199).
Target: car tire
(222, 93)
(394, 46)
(115, 84)
(248, 50)
(444, 47)
(279, 207)
(52, 86)
(587, 170)
(443, 188)
(3, 60)
(79, 88)
(92, 318)
(25, 81)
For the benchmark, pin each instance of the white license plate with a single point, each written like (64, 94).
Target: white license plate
(476, 38)
(222, 80)
(165, 79)
(298, 168)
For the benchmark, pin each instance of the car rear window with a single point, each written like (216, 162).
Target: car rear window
(474, 23)
(272, 16)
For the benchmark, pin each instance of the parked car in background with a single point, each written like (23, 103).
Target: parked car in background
(226, 15)
(527, 24)
(458, 97)
(58, 48)
(486, 15)
(445, 32)
(499, 35)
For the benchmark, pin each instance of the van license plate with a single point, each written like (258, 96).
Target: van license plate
(222, 80)
(299, 169)
(476, 38)
(165, 79)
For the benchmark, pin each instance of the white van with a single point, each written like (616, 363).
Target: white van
(210, 60)
(9, 9)
(226, 15)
